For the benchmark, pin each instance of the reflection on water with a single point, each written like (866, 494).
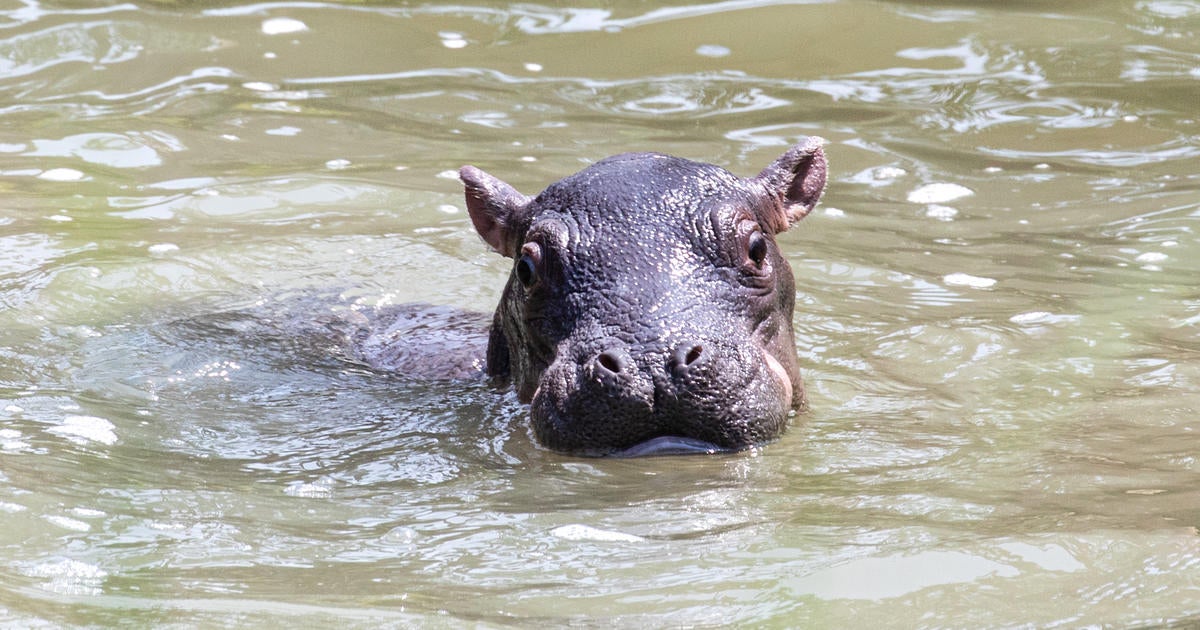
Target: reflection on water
(997, 315)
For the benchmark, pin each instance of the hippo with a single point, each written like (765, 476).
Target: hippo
(648, 309)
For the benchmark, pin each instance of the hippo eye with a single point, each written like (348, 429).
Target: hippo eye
(527, 265)
(756, 248)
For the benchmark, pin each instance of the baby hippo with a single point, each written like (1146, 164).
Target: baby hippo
(649, 308)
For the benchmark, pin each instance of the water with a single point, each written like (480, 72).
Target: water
(997, 315)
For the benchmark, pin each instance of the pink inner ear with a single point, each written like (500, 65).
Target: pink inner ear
(493, 206)
(807, 186)
(795, 182)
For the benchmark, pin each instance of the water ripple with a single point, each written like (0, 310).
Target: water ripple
(990, 374)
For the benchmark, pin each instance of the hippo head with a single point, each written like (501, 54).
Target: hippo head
(648, 302)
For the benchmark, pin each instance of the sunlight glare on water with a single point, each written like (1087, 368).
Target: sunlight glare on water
(997, 315)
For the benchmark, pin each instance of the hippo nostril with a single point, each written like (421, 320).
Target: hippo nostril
(686, 355)
(611, 362)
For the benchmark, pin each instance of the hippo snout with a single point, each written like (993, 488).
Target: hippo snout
(697, 395)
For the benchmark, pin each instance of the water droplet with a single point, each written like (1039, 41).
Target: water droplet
(967, 280)
(61, 175)
(939, 193)
(283, 131)
(452, 40)
(941, 213)
(283, 26)
(712, 50)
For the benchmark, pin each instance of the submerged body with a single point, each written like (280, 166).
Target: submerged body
(649, 307)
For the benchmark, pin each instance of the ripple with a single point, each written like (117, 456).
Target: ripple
(142, 100)
(691, 95)
(244, 457)
(538, 20)
(128, 150)
(1173, 9)
(1175, 150)
(1150, 63)
(270, 199)
(91, 44)
(877, 578)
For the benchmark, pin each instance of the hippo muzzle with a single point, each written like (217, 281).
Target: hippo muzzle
(709, 393)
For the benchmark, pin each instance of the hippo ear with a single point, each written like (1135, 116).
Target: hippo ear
(794, 182)
(495, 208)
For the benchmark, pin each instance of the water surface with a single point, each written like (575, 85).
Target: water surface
(997, 315)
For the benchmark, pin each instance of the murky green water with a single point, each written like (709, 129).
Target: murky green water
(998, 315)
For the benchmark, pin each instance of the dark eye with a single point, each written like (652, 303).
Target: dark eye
(527, 265)
(756, 248)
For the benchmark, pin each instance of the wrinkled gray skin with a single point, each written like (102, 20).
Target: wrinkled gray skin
(649, 303)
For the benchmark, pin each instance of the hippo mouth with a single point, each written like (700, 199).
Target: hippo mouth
(671, 445)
